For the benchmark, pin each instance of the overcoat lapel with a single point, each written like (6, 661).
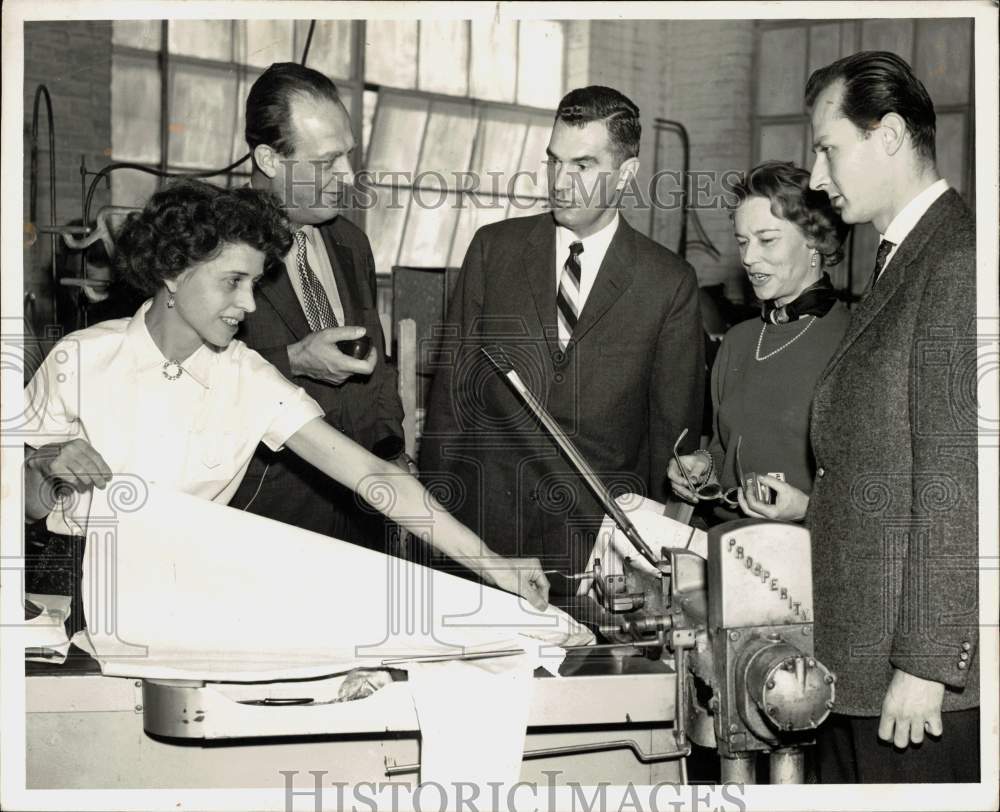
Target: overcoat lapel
(911, 250)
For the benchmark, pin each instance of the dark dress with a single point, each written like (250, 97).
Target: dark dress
(768, 401)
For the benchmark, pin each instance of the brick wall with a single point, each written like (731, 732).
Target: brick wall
(73, 60)
(696, 72)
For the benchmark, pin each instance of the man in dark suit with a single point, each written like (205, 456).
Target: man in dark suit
(602, 324)
(300, 140)
(893, 513)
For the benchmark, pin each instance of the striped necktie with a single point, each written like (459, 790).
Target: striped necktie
(319, 314)
(568, 295)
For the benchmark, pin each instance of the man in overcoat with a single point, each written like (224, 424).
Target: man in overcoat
(893, 512)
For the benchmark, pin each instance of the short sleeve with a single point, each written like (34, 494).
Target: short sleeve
(51, 398)
(283, 407)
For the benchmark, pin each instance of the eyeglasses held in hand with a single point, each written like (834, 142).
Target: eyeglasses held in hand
(709, 491)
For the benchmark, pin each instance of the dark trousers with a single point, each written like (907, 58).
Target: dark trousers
(849, 751)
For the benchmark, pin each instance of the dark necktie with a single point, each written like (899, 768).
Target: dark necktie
(568, 295)
(319, 314)
(884, 248)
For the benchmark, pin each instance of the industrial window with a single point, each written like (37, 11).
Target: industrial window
(941, 53)
(452, 115)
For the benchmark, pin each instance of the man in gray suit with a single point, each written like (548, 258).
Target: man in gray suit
(893, 513)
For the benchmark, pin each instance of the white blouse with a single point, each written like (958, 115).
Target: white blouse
(196, 434)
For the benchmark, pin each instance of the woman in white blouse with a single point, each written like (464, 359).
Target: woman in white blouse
(171, 396)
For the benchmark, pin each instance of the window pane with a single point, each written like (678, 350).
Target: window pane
(540, 63)
(888, 35)
(451, 132)
(397, 133)
(444, 56)
(476, 212)
(532, 180)
(494, 60)
(131, 188)
(391, 52)
(203, 116)
(429, 229)
(239, 143)
(944, 58)
(137, 33)
(951, 149)
(330, 49)
(782, 72)
(782, 142)
(384, 225)
(824, 45)
(208, 39)
(265, 41)
(135, 109)
(499, 147)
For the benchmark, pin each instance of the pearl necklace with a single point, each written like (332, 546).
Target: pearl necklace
(788, 343)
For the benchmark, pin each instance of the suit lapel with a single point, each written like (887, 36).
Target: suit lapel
(911, 249)
(615, 275)
(344, 275)
(277, 289)
(538, 259)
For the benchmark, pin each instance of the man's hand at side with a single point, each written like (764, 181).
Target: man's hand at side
(911, 706)
(317, 356)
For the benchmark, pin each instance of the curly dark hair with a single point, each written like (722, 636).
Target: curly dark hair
(787, 187)
(189, 222)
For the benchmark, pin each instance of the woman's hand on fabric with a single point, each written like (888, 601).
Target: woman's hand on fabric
(696, 465)
(790, 504)
(75, 462)
(522, 576)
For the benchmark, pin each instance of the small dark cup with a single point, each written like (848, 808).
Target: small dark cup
(356, 348)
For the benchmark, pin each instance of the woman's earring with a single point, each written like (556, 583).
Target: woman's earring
(170, 301)
(813, 263)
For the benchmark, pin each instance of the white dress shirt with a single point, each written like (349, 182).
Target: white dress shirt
(195, 434)
(319, 261)
(904, 222)
(594, 248)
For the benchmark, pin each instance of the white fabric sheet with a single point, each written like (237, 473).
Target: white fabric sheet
(184, 588)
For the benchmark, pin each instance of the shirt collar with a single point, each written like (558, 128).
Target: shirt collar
(904, 222)
(148, 355)
(595, 245)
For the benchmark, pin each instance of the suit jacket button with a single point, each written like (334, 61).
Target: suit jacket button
(966, 645)
(558, 357)
(963, 665)
(820, 472)
(964, 656)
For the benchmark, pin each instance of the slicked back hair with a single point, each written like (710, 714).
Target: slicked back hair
(877, 83)
(268, 109)
(619, 114)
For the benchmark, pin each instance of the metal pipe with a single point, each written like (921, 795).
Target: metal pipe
(739, 769)
(788, 766)
(41, 91)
